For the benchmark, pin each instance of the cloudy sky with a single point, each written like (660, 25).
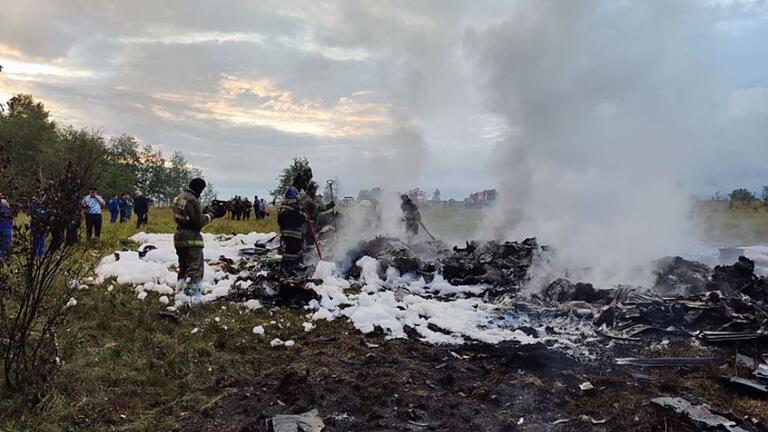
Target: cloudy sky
(373, 92)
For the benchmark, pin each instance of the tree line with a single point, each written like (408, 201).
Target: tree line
(39, 149)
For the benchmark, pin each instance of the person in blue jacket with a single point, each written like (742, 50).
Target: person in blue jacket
(39, 233)
(6, 228)
(114, 209)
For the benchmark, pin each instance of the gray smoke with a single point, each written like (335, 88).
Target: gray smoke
(611, 109)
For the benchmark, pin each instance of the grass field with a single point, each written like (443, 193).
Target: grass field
(742, 224)
(127, 368)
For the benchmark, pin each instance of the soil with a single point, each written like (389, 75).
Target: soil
(366, 383)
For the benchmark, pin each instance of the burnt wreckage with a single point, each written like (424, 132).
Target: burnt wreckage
(724, 308)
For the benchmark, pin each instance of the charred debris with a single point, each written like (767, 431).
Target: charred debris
(722, 311)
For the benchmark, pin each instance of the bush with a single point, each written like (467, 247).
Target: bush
(37, 283)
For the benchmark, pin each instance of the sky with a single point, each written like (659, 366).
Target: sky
(394, 93)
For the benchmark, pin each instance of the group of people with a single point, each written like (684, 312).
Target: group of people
(240, 208)
(121, 208)
(68, 233)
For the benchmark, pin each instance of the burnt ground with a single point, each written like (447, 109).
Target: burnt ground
(406, 385)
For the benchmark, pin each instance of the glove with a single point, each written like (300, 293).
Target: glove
(331, 205)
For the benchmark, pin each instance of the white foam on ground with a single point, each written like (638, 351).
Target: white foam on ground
(378, 305)
(156, 272)
(438, 312)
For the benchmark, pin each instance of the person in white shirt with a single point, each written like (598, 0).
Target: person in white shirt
(93, 203)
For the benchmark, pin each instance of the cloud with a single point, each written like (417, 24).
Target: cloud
(365, 89)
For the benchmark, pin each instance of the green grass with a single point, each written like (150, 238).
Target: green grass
(742, 224)
(122, 359)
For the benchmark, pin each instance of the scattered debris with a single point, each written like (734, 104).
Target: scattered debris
(751, 386)
(670, 361)
(310, 421)
(701, 415)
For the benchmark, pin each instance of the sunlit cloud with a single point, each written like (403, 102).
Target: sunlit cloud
(260, 102)
(22, 70)
(194, 38)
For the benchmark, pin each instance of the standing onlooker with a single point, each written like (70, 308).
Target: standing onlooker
(263, 208)
(39, 222)
(114, 209)
(125, 208)
(6, 227)
(141, 207)
(93, 203)
(238, 208)
(246, 209)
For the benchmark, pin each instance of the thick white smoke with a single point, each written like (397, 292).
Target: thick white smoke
(608, 105)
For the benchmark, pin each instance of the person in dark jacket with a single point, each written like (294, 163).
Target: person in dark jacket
(114, 209)
(247, 209)
(126, 207)
(411, 216)
(39, 222)
(141, 207)
(313, 206)
(257, 208)
(291, 219)
(6, 228)
(190, 218)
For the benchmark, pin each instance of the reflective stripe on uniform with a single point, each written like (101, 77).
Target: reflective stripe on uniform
(188, 243)
(292, 233)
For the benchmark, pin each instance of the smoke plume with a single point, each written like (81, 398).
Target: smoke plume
(607, 106)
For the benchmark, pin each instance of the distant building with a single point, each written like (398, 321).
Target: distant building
(481, 199)
(347, 201)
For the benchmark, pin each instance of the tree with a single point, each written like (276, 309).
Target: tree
(285, 179)
(86, 153)
(36, 148)
(31, 140)
(741, 195)
(122, 158)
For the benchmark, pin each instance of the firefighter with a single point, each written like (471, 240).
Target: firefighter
(411, 216)
(291, 219)
(190, 218)
(313, 206)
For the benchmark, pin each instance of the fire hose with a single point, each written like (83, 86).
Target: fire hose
(427, 231)
(314, 236)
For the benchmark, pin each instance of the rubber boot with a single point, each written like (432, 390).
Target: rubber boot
(194, 290)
